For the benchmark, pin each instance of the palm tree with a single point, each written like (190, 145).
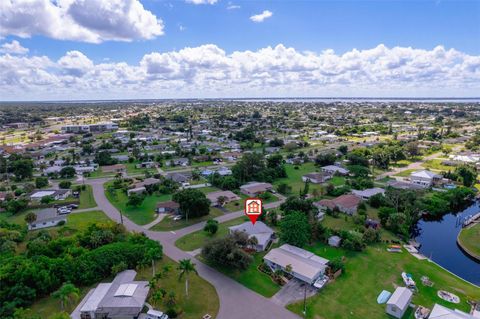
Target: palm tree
(252, 242)
(171, 300)
(186, 267)
(153, 254)
(30, 217)
(68, 292)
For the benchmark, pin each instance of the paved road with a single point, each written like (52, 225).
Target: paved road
(236, 301)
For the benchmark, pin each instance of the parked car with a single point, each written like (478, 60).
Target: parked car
(73, 206)
(177, 218)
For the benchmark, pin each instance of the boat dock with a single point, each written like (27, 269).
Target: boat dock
(471, 220)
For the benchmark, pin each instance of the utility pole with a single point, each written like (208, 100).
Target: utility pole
(305, 300)
(121, 217)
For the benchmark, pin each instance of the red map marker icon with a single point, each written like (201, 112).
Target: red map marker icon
(253, 208)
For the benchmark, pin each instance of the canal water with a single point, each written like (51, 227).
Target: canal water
(439, 243)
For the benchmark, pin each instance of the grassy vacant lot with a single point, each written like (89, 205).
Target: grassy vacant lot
(197, 239)
(406, 172)
(436, 165)
(168, 223)
(294, 178)
(354, 294)
(344, 222)
(86, 198)
(252, 278)
(133, 170)
(469, 238)
(140, 215)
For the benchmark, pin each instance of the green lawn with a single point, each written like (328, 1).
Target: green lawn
(469, 238)
(197, 239)
(99, 174)
(168, 223)
(337, 181)
(294, 178)
(354, 294)
(133, 170)
(208, 189)
(192, 307)
(436, 164)
(86, 198)
(406, 173)
(252, 278)
(140, 215)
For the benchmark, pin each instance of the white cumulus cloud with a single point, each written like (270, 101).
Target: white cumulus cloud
(202, 1)
(79, 20)
(13, 47)
(210, 71)
(261, 16)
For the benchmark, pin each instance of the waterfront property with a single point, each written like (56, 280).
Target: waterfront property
(398, 302)
(304, 265)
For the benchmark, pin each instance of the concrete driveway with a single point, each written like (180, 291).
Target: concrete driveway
(293, 291)
(236, 301)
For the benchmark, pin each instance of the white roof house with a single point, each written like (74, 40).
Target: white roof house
(122, 298)
(367, 193)
(425, 178)
(399, 301)
(332, 169)
(306, 266)
(441, 312)
(259, 230)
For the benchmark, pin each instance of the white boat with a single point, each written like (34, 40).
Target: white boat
(407, 279)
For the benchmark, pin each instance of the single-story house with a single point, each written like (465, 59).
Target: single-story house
(84, 169)
(47, 218)
(347, 204)
(334, 241)
(136, 190)
(178, 162)
(334, 169)
(224, 171)
(441, 312)
(147, 182)
(425, 178)
(305, 265)
(178, 177)
(168, 207)
(255, 188)
(229, 197)
(398, 302)
(369, 192)
(316, 178)
(52, 170)
(56, 194)
(117, 168)
(120, 158)
(122, 298)
(259, 230)
(149, 164)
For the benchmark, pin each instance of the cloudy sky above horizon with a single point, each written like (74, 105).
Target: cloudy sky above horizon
(118, 49)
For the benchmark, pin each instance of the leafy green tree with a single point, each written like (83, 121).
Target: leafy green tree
(211, 226)
(30, 217)
(325, 159)
(47, 199)
(193, 203)
(22, 169)
(186, 267)
(65, 184)
(227, 253)
(295, 229)
(67, 172)
(135, 199)
(467, 174)
(66, 293)
(41, 182)
(284, 188)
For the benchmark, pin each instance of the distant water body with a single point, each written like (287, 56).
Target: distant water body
(439, 242)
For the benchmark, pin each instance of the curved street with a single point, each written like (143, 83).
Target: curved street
(236, 301)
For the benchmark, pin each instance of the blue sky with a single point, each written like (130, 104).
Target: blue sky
(305, 25)
(80, 37)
